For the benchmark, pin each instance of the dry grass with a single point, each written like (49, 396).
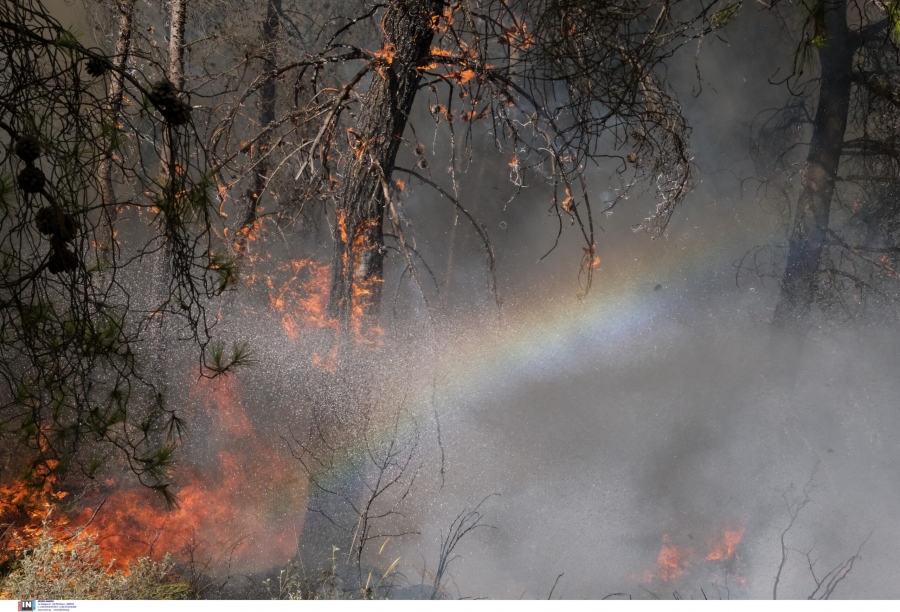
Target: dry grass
(72, 568)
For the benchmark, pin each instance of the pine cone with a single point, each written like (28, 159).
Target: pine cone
(67, 227)
(45, 220)
(32, 180)
(28, 148)
(62, 226)
(96, 67)
(62, 260)
(171, 105)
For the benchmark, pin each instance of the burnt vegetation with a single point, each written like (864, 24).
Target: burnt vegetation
(143, 178)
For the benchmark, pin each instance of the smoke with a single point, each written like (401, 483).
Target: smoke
(662, 412)
(627, 433)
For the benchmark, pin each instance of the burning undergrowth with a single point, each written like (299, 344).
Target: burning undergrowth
(241, 497)
(230, 504)
(238, 506)
(681, 561)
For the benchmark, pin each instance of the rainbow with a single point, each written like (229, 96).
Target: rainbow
(538, 341)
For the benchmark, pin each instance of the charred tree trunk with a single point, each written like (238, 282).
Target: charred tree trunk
(358, 256)
(814, 205)
(333, 513)
(113, 108)
(267, 98)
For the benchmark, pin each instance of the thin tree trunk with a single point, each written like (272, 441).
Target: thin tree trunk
(358, 256)
(175, 75)
(177, 21)
(267, 99)
(814, 205)
(112, 110)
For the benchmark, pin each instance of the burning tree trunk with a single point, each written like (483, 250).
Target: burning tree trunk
(267, 98)
(814, 206)
(358, 256)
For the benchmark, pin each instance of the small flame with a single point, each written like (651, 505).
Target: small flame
(670, 561)
(674, 561)
(385, 55)
(723, 549)
(436, 52)
(462, 76)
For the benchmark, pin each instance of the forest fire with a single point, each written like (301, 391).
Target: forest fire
(230, 500)
(670, 560)
(25, 507)
(225, 512)
(215, 190)
(723, 548)
(675, 561)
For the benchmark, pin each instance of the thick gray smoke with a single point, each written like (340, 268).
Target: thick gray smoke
(626, 433)
(690, 418)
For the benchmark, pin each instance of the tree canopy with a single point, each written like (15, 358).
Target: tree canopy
(74, 389)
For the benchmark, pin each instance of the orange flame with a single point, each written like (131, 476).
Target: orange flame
(363, 290)
(442, 21)
(385, 55)
(250, 494)
(25, 505)
(723, 549)
(674, 561)
(670, 561)
(303, 305)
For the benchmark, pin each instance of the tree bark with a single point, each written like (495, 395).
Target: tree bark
(358, 265)
(267, 99)
(113, 108)
(175, 75)
(358, 255)
(160, 270)
(177, 20)
(814, 205)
